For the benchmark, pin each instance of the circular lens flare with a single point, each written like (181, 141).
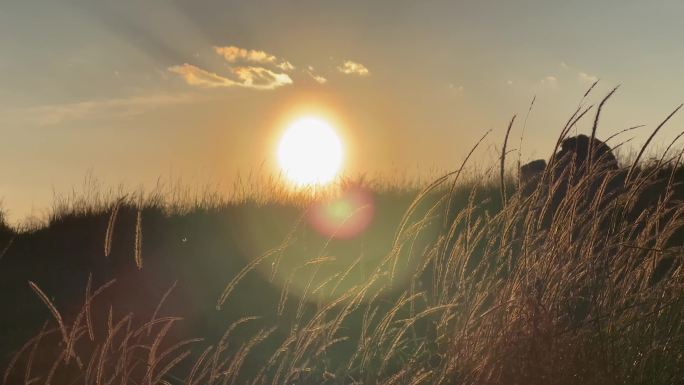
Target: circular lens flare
(310, 152)
(345, 216)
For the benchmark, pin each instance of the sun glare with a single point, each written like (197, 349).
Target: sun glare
(310, 152)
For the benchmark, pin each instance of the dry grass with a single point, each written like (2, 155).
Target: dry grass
(508, 289)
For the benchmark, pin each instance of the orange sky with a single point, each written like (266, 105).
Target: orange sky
(131, 91)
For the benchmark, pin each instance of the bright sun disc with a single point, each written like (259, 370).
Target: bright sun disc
(310, 152)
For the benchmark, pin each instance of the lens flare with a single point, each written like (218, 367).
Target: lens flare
(345, 216)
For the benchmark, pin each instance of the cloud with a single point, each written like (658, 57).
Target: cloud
(241, 75)
(247, 77)
(317, 78)
(583, 76)
(261, 78)
(454, 87)
(121, 108)
(550, 81)
(196, 76)
(286, 66)
(255, 69)
(233, 54)
(353, 68)
(509, 82)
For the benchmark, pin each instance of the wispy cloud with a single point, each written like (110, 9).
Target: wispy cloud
(550, 80)
(285, 66)
(258, 78)
(585, 77)
(112, 108)
(245, 76)
(317, 78)
(233, 54)
(582, 76)
(255, 69)
(261, 78)
(455, 87)
(196, 76)
(353, 68)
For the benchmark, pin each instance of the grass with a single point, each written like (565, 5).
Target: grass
(462, 282)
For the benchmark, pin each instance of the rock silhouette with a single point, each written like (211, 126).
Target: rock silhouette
(570, 164)
(578, 148)
(584, 169)
(530, 174)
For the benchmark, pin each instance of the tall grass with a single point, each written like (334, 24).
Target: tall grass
(572, 283)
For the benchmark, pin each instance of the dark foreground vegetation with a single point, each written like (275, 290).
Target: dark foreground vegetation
(570, 275)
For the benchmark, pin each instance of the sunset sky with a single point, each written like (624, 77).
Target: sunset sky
(129, 91)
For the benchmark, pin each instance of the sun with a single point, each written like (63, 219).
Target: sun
(310, 152)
